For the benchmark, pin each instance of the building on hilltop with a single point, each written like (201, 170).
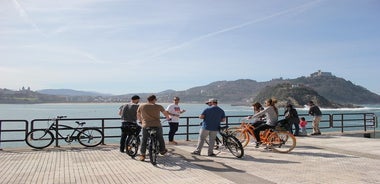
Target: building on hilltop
(320, 73)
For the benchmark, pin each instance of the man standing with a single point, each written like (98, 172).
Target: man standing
(212, 117)
(174, 111)
(129, 118)
(149, 116)
(317, 114)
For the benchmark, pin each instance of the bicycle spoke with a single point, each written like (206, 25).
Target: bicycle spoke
(234, 145)
(282, 142)
(90, 137)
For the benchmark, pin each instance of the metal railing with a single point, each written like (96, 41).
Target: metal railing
(188, 127)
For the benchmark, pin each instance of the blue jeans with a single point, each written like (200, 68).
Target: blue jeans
(173, 129)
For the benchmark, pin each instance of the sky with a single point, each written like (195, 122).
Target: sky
(133, 46)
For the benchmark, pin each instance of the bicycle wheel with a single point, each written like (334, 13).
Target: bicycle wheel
(39, 139)
(234, 145)
(241, 135)
(282, 142)
(153, 150)
(132, 145)
(90, 137)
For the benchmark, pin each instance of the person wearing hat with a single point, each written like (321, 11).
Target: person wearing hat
(174, 111)
(212, 116)
(317, 115)
(128, 113)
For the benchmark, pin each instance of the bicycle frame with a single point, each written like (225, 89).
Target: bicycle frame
(70, 137)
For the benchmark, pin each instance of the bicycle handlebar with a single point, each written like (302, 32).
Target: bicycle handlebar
(61, 117)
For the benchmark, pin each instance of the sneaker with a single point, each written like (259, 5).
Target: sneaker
(141, 158)
(163, 152)
(258, 144)
(211, 155)
(122, 150)
(195, 153)
(173, 142)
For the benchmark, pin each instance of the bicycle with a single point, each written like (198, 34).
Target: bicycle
(229, 141)
(153, 144)
(278, 138)
(244, 133)
(86, 136)
(133, 141)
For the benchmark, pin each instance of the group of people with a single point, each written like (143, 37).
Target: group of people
(265, 118)
(148, 115)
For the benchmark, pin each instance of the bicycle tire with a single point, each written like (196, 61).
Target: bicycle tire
(153, 151)
(241, 135)
(39, 138)
(282, 142)
(234, 145)
(90, 137)
(132, 145)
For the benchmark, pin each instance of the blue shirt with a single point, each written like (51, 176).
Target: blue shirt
(212, 117)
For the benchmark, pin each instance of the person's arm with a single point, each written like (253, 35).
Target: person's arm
(202, 116)
(165, 113)
(139, 117)
(260, 113)
(121, 110)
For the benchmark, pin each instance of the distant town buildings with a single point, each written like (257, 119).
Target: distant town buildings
(320, 73)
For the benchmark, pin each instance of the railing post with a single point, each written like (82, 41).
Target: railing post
(103, 131)
(365, 121)
(342, 122)
(1, 124)
(56, 133)
(187, 129)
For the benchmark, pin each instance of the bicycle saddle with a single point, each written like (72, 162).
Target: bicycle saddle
(80, 123)
(223, 127)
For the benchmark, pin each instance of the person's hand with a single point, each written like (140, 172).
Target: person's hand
(248, 117)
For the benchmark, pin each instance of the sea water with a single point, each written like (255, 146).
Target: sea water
(30, 112)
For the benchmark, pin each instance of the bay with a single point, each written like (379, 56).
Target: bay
(110, 110)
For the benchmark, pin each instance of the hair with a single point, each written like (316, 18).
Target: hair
(272, 102)
(257, 106)
(176, 97)
(151, 98)
(303, 118)
(135, 97)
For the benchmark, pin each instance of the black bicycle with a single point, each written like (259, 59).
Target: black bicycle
(86, 136)
(133, 141)
(153, 144)
(229, 141)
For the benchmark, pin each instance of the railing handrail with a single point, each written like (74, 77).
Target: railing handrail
(367, 120)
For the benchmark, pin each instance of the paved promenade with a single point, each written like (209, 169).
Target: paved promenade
(320, 159)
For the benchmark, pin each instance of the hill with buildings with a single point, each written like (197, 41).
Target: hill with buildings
(322, 87)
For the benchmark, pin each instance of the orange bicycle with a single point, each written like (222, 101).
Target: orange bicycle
(278, 138)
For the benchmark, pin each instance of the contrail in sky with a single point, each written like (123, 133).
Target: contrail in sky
(25, 16)
(197, 39)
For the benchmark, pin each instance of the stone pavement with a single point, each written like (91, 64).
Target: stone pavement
(319, 159)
